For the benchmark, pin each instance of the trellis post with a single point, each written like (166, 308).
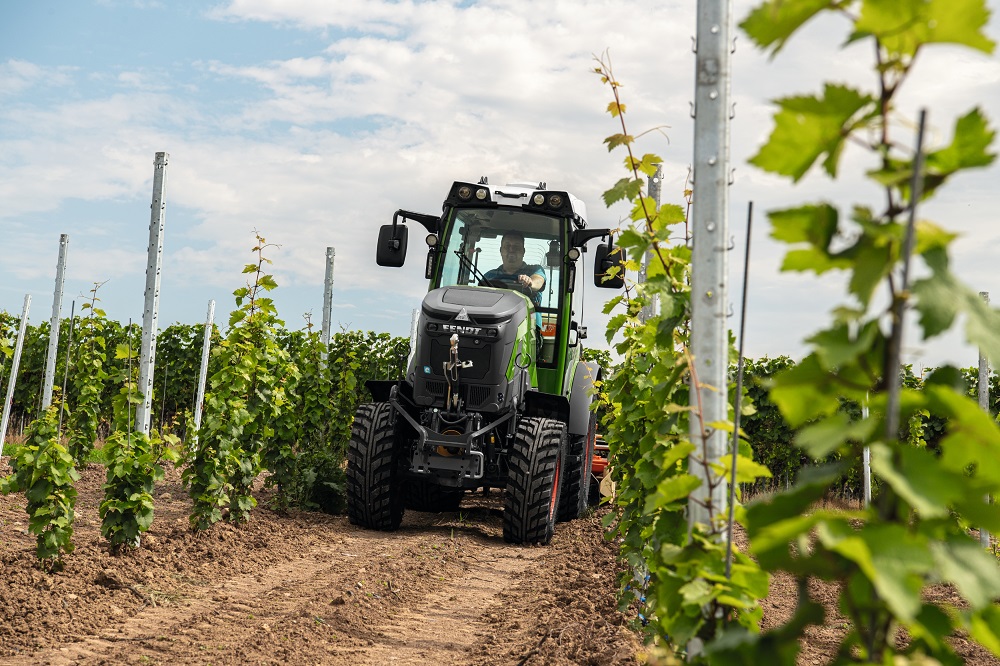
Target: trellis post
(709, 260)
(15, 364)
(147, 359)
(57, 298)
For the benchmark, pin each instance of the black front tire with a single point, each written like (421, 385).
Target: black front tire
(534, 480)
(374, 482)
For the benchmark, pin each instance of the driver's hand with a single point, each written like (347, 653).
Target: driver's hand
(524, 280)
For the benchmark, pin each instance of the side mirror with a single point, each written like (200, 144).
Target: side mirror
(606, 258)
(391, 250)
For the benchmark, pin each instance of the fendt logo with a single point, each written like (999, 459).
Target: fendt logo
(461, 330)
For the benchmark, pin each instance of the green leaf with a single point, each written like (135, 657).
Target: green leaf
(649, 164)
(616, 140)
(969, 147)
(942, 297)
(903, 26)
(807, 127)
(267, 282)
(917, 479)
(670, 490)
(985, 628)
(812, 260)
(969, 568)
(821, 439)
(899, 561)
(773, 22)
(616, 109)
(804, 392)
(626, 188)
(747, 471)
(815, 224)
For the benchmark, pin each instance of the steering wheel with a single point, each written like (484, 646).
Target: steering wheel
(505, 283)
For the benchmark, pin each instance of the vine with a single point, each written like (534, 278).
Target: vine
(915, 533)
(677, 578)
(44, 471)
(246, 395)
(89, 378)
(133, 463)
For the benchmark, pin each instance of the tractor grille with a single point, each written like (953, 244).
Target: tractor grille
(480, 357)
(435, 388)
(478, 396)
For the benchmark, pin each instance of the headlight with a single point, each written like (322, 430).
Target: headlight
(573, 254)
(432, 240)
(538, 199)
(481, 194)
(465, 192)
(555, 201)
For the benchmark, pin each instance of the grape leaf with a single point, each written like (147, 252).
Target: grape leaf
(807, 127)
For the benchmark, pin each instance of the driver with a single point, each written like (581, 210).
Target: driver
(513, 268)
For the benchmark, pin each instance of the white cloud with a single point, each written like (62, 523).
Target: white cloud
(17, 76)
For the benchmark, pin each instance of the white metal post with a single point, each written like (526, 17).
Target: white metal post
(654, 194)
(327, 301)
(57, 296)
(206, 347)
(147, 359)
(12, 380)
(984, 403)
(709, 261)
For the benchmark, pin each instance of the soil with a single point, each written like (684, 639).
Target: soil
(309, 588)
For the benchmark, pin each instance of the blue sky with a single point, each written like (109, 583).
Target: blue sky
(313, 121)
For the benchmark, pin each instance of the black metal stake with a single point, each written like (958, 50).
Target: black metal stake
(738, 400)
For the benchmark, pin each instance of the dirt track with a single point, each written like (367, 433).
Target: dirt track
(308, 588)
(311, 588)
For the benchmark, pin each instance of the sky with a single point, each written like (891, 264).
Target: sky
(311, 122)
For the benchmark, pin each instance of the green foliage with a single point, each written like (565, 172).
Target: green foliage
(44, 471)
(178, 364)
(133, 465)
(915, 532)
(246, 395)
(89, 380)
(770, 436)
(677, 578)
(306, 455)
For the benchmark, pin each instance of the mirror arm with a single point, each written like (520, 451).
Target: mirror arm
(581, 236)
(431, 223)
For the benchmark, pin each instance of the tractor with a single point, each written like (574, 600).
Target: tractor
(495, 394)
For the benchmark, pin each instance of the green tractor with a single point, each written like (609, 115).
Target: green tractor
(496, 394)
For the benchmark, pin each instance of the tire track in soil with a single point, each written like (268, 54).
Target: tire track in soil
(414, 596)
(448, 622)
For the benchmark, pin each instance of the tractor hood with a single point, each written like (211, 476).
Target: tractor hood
(472, 306)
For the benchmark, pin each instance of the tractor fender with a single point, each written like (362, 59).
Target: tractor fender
(587, 373)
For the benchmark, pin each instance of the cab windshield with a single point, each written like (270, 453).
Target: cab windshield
(472, 251)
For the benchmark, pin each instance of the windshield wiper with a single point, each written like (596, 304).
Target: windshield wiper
(473, 267)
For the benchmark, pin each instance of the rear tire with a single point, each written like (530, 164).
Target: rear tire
(421, 495)
(534, 479)
(374, 483)
(576, 481)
